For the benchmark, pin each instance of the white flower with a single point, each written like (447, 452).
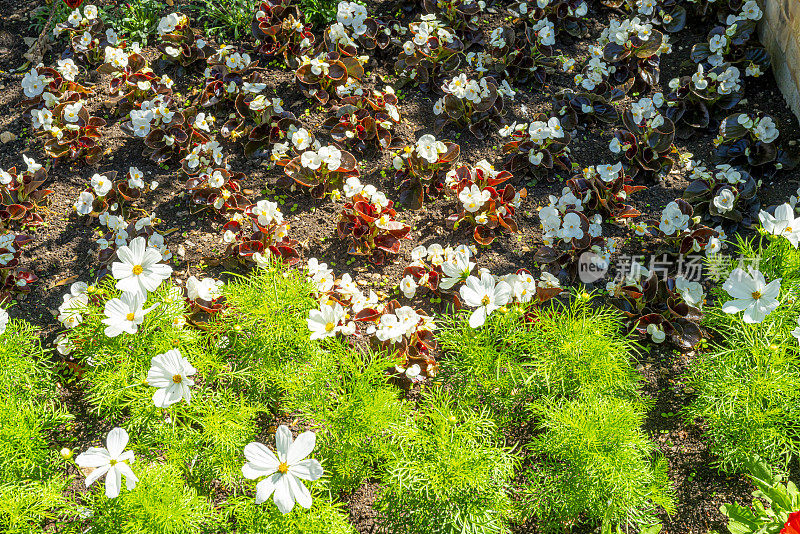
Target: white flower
(75, 18)
(751, 294)
(111, 461)
(331, 157)
(765, 130)
(324, 322)
(352, 187)
(472, 198)
(456, 269)
(90, 12)
(485, 295)
(101, 185)
(310, 160)
(206, 289)
(285, 471)
(138, 270)
(74, 303)
(571, 228)
(301, 139)
(426, 148)
(408, 286)
(170, 372)
(33, 83)
(124, 314)
(136, 180)
(267, 212)
(67, 69)
(84, 203)
(656, 333)
(724, 201)
(609, 173)
(796, 331)
(783, 223)
(690, 292)
(71, 112)
(168, 23)
(201, 122)
(717, 43)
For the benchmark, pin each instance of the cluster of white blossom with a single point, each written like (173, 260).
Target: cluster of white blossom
(152, 114)
(523, 9)
(205, 157)
(764, 128)
(423, 31)
(454, 262)
(427, 147)
(170, 22)
(539, 132)
(595, 71)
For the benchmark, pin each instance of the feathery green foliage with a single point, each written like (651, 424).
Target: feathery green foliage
(346, 396)
(748, 383)
(161, 504)
(447, 472)
(599, 465)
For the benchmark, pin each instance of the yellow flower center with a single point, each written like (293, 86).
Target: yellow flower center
(130, 317)
(177, 379)
(113, 462)
(756, 295)
(283, 468)
(485, 300)
(329, 327)
(137, 270)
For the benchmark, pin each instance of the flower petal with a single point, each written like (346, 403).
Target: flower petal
(301, 447)
(283, 441)
(113, 482)
(299, 491)
(116, 441)
(94, 457)
(307, 470)
(95, 475)
(260, 456)
(283, 497)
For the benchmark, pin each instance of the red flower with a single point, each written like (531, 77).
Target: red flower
(73, 4)
(792, 525)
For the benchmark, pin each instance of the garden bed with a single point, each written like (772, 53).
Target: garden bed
(64, 249)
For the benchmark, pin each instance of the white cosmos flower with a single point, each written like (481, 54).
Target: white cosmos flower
(170, 372)
(139, 270)
(124, 314)
(284, 473)
(783, 223)
(112, 461)
(484, 294)
(324, 321)
(751, 294)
